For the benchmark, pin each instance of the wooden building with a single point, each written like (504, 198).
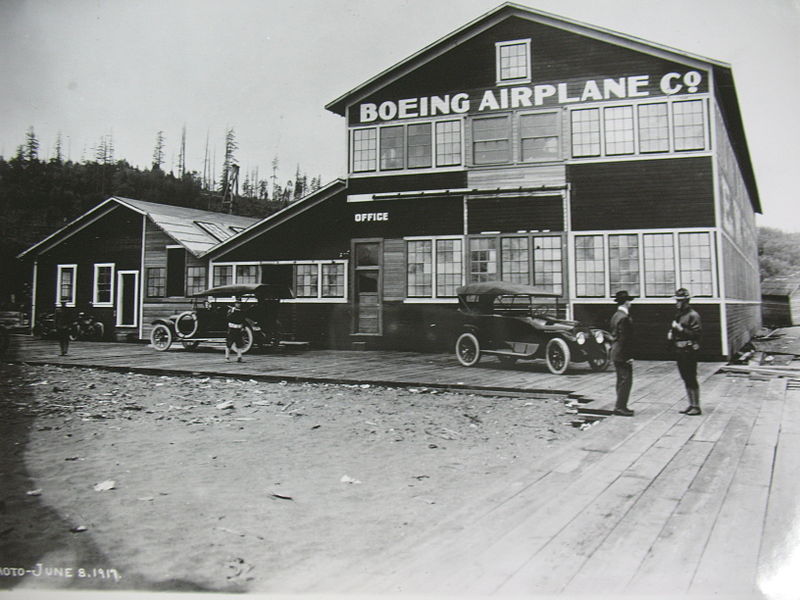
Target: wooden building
(128, 262)
(781, 301)
(529, 148)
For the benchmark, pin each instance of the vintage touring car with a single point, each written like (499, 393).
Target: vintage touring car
(522, 322)
(207, 321)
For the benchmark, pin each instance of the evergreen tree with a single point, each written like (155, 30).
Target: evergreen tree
(31, 152)
(158, 151)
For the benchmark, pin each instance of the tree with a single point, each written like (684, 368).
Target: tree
(31, 152)
(182, 154)
(778, 252)
(158, 151)
(230, 160)
(59, 152)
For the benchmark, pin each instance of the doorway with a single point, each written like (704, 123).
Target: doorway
(127, 298)
(367, 298)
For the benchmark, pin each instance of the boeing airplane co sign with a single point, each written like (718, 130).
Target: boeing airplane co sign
(528, 96)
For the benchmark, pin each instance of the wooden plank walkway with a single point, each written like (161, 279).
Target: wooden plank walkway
(658, 504)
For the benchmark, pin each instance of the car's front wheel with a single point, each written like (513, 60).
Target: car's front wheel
(557, 355)
(161, 337)
(468, 349)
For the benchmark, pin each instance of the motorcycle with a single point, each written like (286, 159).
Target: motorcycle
(45, 326)
(86, 327)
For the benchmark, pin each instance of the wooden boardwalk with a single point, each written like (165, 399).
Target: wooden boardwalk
(658, 504)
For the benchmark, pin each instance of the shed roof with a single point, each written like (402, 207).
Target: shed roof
(785, 285)
(196, 230)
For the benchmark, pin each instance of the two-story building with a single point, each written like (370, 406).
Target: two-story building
(529, 148)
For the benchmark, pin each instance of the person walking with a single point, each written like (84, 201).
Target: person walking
(62, 322)
(684, 336)
(621, 330)
(235, 326)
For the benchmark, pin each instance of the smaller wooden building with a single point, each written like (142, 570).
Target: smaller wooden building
(128, 262)
(780, 305)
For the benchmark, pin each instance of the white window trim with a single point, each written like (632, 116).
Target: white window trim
(527, 78)
(59, 270)
(641, 297)
(95, 301)
(434, 297)
(559, 135)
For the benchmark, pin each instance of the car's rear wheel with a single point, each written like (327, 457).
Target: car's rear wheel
(468, 349)
(190, 345)
(247, 339)
(161, 337)
(600, 363)
(557, 355)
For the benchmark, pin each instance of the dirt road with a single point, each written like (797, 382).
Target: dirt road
(127, 481)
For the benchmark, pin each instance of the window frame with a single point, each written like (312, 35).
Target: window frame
(190, 287)
(509, 138)
(434, 295)
(60, 269)
(148, 279)
(558, 135)
(95, 288)
(526, 43)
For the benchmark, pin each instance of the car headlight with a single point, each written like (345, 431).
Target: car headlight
(580, 338)
(598, 337)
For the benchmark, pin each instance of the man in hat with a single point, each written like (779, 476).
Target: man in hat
(63, 320)
(621, 329)
(233, 339)
(684, 336)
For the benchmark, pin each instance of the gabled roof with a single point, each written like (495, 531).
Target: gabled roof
(723, 76)
(190, 227)
(295, 208)
(784, 285)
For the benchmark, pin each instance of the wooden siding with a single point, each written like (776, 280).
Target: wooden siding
(114, 238)
(642, 194)
(514, 214)
(742, 278)
(558, 56)
(744, 320)
(384, 184)
(651, 323)
(394, 269)
(781, 311)
(321, 232)
(515, 177)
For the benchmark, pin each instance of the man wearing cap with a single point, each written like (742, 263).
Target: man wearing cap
(621, 329)
(684, 335)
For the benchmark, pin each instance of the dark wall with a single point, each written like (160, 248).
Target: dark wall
(407, 183)
(642, 194)
(651, 323)
(513, 214)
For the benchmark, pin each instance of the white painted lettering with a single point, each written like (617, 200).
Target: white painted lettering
(591, 91)
(489, 101)
(615, 87)
(423, 107)
(563, 95)
(540, 92)
(504, 98)
(667, 86)
(692, 79)
(369, 112)
(408, 108)
(387, 110)
(635, 82)
(460, 103)
(440, 105)
(521, 97)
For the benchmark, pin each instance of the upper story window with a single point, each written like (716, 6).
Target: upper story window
(491, 140)
(688, 125)
(618, 121)
(586, 132)
(653, 127)
(539, 136)
(407, 146)
(513, 61)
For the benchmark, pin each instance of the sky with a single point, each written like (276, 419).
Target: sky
(128, 69)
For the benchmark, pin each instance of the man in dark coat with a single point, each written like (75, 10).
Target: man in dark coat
(621, 329)
(684, 335)
(63, 320)
(233, 339)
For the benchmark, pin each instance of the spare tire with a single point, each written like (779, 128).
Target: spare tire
(186, 324)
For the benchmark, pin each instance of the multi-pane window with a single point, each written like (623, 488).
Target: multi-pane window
(623, 263)
(586, 132)
(365, 144)
(449, 267)
(695, 263)
(195, 280)
(103, 285)
(222, 275)
(618, 122)
(491, 140)
(306, 277)
(482, 259)
(448, 143)
(539, 136)
(66, 284)
(589, 267)
(419, 145)
(156, 282)
(392, 148)
(513, 61)
(653, 127)
(514, 259)
(419, 268)
(659, 264)
(688, 125)
(333, 280)
(248, 274)
(547, 270)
